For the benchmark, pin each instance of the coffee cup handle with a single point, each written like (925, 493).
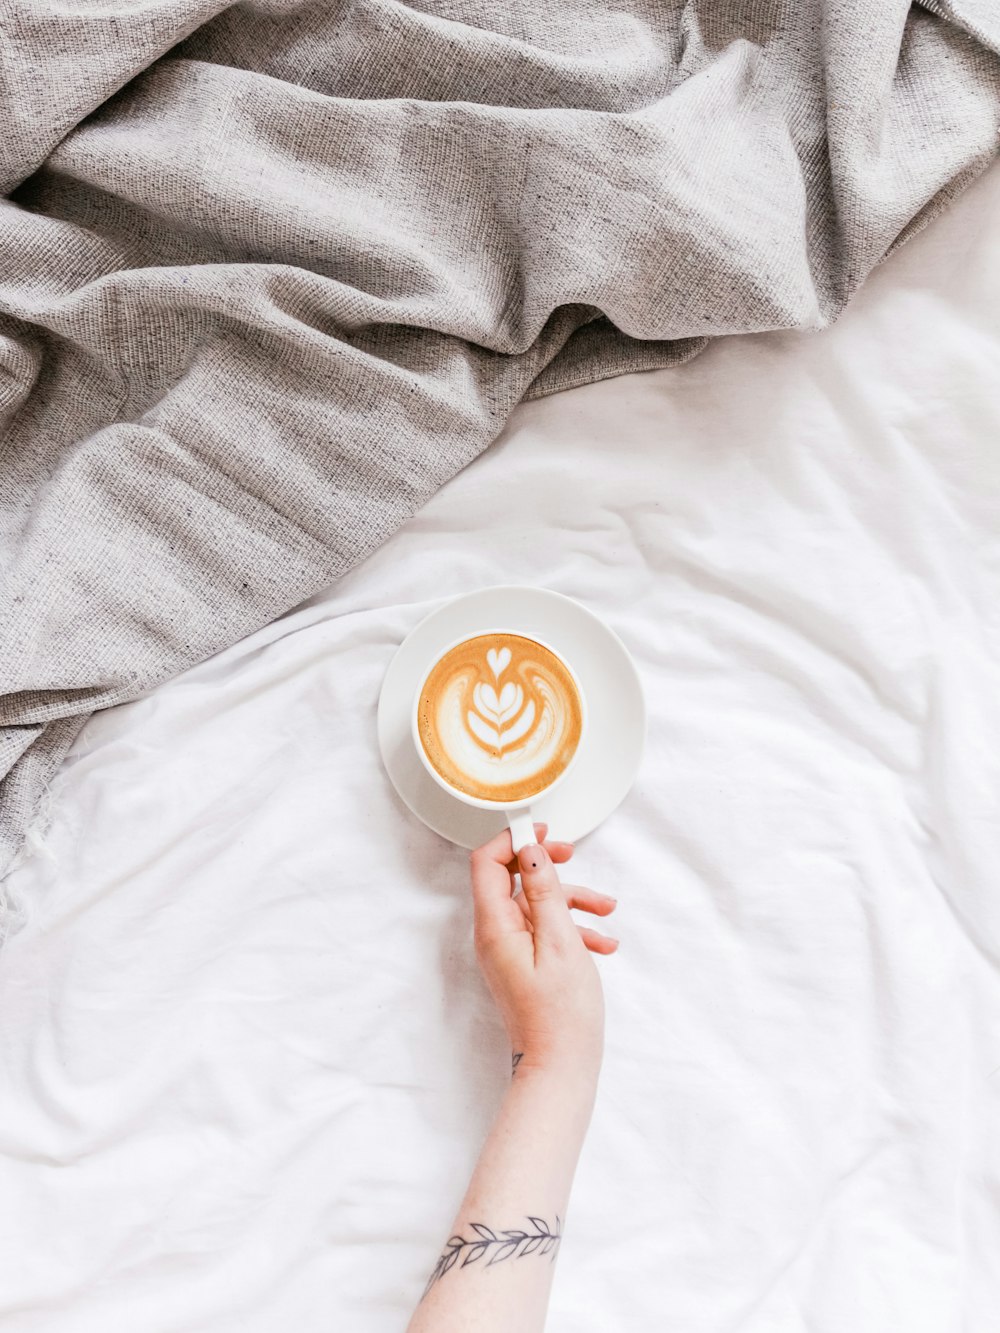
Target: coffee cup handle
(522, 827)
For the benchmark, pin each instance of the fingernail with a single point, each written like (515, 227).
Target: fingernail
(531, 858)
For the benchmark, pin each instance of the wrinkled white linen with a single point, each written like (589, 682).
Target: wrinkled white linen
(246, 1060)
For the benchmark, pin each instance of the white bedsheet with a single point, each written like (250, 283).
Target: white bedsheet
(246, 1060)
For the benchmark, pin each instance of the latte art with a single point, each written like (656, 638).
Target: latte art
(500, 717)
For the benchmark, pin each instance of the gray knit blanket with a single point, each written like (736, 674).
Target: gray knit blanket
(272, 272)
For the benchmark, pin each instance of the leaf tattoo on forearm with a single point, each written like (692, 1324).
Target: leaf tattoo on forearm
(515, 1059)
(494, 1247)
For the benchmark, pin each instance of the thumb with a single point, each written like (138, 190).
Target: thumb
(549, 912)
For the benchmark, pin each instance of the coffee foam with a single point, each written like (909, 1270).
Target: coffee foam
(500, 717)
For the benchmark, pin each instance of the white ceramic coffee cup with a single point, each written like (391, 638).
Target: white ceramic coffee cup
(519, 816)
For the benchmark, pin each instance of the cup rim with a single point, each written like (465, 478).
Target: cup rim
(480, 802)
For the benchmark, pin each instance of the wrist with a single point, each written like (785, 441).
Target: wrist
(557, 1101)
(576, 1059)
(571, 1076)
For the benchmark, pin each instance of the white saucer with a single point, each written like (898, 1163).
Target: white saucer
(607, 761)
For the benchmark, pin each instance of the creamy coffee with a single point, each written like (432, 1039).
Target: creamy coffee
(500, 717)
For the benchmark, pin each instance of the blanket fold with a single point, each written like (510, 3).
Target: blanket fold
(271, 273)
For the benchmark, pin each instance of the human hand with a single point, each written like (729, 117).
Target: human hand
(536, 959)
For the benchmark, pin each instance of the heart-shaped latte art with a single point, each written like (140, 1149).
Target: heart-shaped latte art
(499, 661)
(499, 717)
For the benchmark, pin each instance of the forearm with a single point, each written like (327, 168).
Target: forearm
(521, 1184)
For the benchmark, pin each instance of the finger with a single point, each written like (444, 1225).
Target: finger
(495, 912)
(546, 900)
(559, 852)
(540, 831)
(596, 942)
(581, 899)
(589, 900)
(497, 849)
